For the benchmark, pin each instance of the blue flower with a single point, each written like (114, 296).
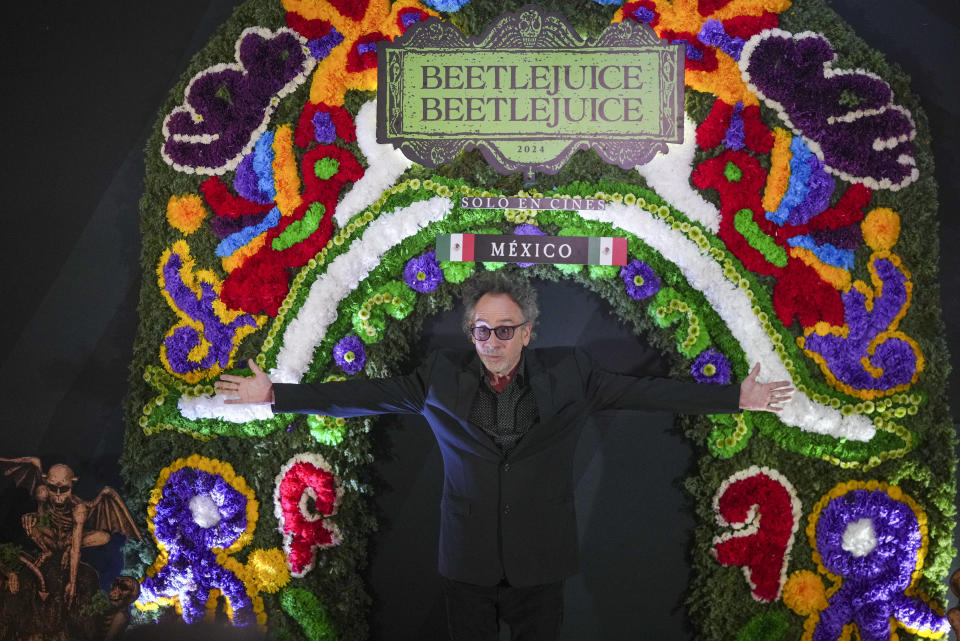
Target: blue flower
(711, 367)
(423, 273)
(349, 355)
(640, 280)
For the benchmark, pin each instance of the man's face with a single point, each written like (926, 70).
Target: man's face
(494, 310)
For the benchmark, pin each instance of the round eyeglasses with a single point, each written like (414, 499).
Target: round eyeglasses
(504, 332)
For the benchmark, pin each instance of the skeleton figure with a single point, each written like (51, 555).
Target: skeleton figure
(123, 592)
(64, 523)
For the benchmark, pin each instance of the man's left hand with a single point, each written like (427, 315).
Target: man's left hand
(763, 397)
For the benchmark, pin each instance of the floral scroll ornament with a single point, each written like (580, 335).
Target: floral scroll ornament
(870, 540)
(868, 356)
(847, 116)
(306, 495)
(207, 335)
(227, 107)
(762, 507)
(200, 514)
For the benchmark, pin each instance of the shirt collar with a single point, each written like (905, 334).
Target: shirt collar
(519, 370)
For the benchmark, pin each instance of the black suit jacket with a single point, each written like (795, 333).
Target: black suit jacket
(506, 516)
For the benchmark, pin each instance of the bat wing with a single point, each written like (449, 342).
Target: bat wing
(109, 513)
(25, 472)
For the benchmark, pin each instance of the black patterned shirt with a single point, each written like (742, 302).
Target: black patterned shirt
(505, 416)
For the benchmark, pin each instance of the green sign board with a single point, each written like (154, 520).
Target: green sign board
(530, 92)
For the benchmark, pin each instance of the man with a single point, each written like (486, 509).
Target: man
(507, 422)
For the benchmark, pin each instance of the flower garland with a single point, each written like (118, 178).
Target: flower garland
(192, 403)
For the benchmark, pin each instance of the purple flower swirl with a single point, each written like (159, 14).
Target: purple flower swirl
(872, 541)
(711, 367)
(349, 355)
(198, 513)
(423, 273)
(640, 279)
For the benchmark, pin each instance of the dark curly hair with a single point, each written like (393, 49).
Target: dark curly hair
(517, 287)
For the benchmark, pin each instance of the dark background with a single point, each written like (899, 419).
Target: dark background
(83, 82)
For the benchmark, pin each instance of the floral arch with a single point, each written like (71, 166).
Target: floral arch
(277, 228)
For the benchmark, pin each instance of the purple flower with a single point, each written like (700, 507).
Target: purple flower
(526, 229)
(642, 14)
(179, 346)
(349, 355)
(640, 279)
(198, 511)
(871, 541)
(711, 367)
(320, 48)
(735, 133)
(423, 273)
(713, 34)
(323, 129)
(246, 182)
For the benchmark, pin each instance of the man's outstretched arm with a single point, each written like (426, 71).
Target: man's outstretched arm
(617, 391)
(345, 399)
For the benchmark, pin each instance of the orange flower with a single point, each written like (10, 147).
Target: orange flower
(186, 212)
(332, 79)
(685, 17)
(804, 593)
(881, 229)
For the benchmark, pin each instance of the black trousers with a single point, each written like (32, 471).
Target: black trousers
(474, 611)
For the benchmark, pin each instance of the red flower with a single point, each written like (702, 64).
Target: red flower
(802, 293)
(363, 53)
(712, 131)
(340, 118)
(309, 29)
(766, 504)
(224, 203)
(306, 494)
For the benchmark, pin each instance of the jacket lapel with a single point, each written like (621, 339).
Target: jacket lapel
(468, 384)
(540, 382)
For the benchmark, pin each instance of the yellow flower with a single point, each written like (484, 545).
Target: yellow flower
(881, 229)
(267, 570)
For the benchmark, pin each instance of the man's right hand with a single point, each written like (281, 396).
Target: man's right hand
(246, 389)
